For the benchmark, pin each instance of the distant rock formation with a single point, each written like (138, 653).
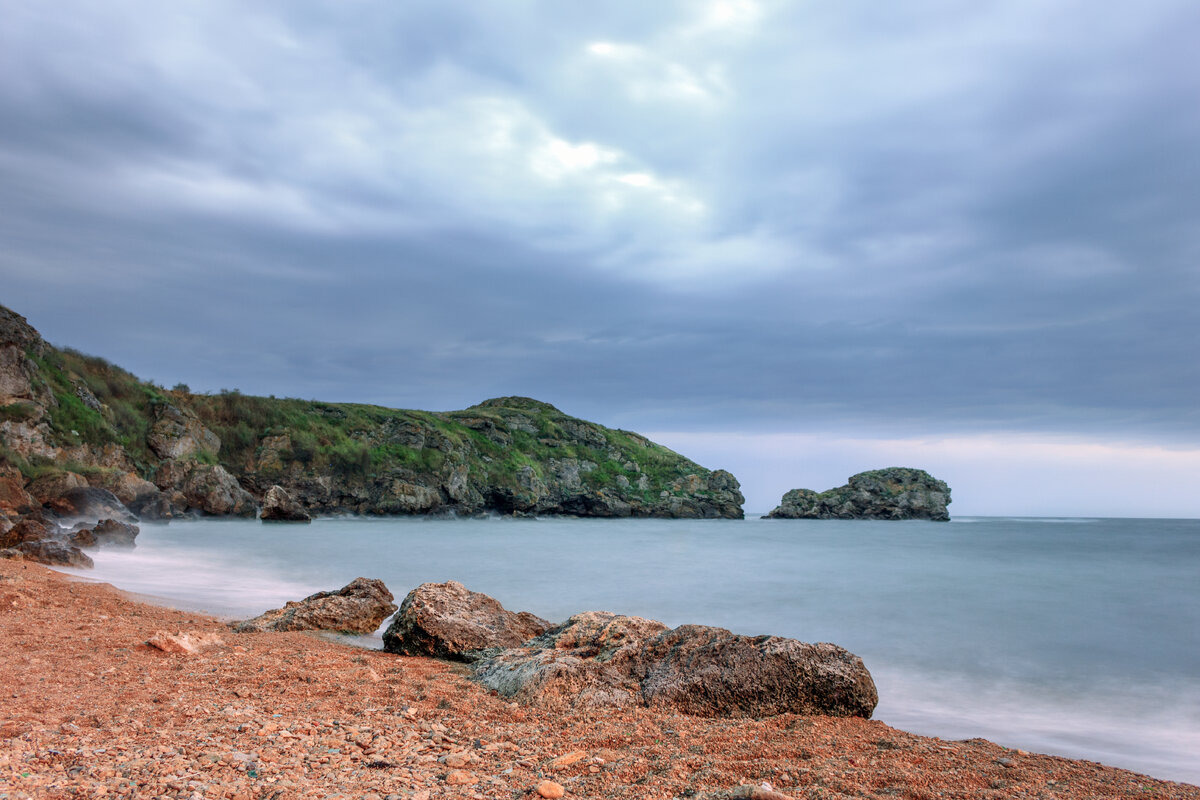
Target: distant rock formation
(71, 422)
(448, 620)
(359, 607)
(892, 493)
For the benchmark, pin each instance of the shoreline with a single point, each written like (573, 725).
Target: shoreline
(89, 710)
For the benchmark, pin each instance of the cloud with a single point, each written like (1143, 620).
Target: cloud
(727, 216)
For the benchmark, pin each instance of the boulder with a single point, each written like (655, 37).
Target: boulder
(90, 503)
(894, 493)
(360, 606)
(178, 433)
(31, 528)
(106, 533)
(279, 506)
(14, 499)
(591, 660)
(602, 659)
(55, 553)
(447, 620)
(711, 672)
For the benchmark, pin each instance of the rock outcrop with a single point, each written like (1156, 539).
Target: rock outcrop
(447, 620)
(279, 506)
(178, 433)
(892, 493)
(222, 454)
(359, 607)
(601, 659)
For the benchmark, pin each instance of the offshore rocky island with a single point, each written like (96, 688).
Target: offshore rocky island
(72, 423)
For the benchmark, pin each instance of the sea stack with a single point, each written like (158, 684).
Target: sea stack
(892, 493)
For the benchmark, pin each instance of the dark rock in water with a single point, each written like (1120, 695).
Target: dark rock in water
(279, 506)
(90, 503)
(107, 533)
(55, 553)
(893, 493)
(360, 607)
(447, 620)
(602, 659)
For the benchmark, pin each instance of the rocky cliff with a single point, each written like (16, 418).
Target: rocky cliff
(69, 420)
(892, 493)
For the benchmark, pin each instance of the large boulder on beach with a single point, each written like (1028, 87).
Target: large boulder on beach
(55, 553)
(279, 506)
(601, 659)
(360, 607)
(894, 493)
(447, 620)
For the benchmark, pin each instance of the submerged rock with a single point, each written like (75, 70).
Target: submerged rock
(602, 659)
(360, 607)
(447, 620)
(892, 493)
(279, 506)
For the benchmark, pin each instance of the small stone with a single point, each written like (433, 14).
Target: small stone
(456, 760)
(460, 777)
(550, 790)
(567, 759)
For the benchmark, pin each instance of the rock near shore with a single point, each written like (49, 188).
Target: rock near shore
(598, 659)
(894, 493)
(447, 620)
(359, 607)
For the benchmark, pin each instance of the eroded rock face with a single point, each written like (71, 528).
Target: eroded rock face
(447, 620)
(893, 493)
(360, 607)
(53, 485)
(178, 433)
(210, 488)
(601, 659)
(279, 506)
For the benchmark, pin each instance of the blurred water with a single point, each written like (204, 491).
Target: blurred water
(1074, 637)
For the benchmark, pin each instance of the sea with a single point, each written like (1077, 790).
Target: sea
(1075, 637)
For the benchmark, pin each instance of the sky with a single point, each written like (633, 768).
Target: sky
(795, 240)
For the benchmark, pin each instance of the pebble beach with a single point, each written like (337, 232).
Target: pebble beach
(102, 695)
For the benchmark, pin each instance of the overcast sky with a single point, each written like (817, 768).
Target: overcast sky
(795, 240)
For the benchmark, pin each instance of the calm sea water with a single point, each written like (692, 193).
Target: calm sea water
(1079, 637)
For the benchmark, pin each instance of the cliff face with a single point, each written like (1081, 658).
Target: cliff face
(167, 452)
(892, 493)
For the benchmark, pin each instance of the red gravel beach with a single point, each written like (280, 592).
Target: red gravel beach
(89, 709)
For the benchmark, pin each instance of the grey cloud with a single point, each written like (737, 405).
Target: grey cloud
(935, 219)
